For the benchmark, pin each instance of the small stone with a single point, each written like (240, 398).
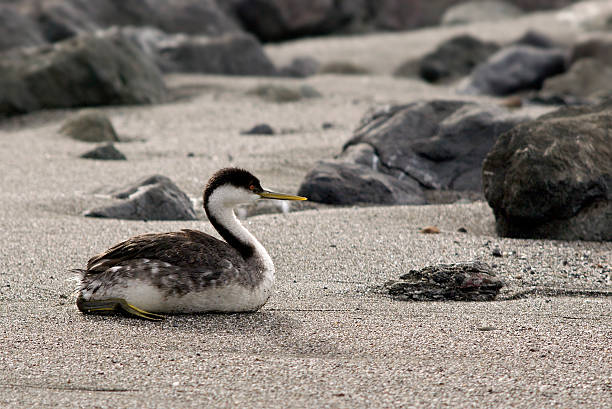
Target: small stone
(430, 230)
(104, 152)
(308, 91)
(327, 125)
(90, 127)
(276, 93)
(260, 129)
(343, 68)
(496, 251)
(462, 230)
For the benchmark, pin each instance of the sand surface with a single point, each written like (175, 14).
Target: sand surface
(328, 337)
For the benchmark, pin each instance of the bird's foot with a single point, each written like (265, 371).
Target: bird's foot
(116, 305)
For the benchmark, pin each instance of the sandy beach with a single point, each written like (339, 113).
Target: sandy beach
(329, 336)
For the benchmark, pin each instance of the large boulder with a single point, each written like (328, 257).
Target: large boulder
(275, 20)
(455, 58)
(82, 71)
(17, 30)
(516, 68)
(232, 54)
(60, 19)
(477, 11)
(552, 177)
(151, 198)
(401, 151)
(346, 183)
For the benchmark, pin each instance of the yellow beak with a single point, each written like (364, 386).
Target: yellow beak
(266, 194)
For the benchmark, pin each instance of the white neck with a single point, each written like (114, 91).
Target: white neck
(220, 211)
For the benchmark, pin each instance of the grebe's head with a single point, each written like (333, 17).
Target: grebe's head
(234, 186)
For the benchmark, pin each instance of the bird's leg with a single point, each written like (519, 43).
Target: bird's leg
(119, 305)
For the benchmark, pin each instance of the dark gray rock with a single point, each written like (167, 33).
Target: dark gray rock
(536, 39)
(90, 127)
(401, 151)
(260, 129)
(152, 198)
(231, 54)
(471, 281)
(276, 20)
(300, 67)
(17, 30)
(552, 177)
(479, 11)
(345, 183)
(82, 71)
(514, 69)
(455, 58)
(587, 78)
(104, 152)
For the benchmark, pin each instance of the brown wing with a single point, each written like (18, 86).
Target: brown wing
(187, 248)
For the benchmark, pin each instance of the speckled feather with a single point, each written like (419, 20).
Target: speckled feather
(177, 262)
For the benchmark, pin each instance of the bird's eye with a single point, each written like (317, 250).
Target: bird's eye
(252, 187)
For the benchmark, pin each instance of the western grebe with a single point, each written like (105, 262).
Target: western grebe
(187, 271)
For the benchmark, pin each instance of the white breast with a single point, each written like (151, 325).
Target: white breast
(227, 298)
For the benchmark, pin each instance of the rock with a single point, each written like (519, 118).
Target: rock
(260, 129)
(61, 19)
(516, 68)
(552, 177)
(300, 67)
(471, 281)
(350, 183)
(430, 230)
(104, 152)
(587, 78)
(598, 47)
(281, 94)
(231, 54)
(455, 58)
(308, 91)
(410, 69)
(536, 39)
(342, 68)
(276, 93)
(496, 252)
(17, 30)
(399, 152)
(587, 15)
(152, 198)
(186, 16)
(479, 11)
(277, 20)
(82, 71)
(90, 127)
